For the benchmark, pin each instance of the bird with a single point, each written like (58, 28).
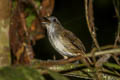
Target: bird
(63, 41)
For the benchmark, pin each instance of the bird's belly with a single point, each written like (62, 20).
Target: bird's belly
(60, 48)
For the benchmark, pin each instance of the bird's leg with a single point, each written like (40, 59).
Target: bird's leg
(54, 57)
(65, 57)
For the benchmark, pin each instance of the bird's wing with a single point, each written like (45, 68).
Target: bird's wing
(70, 41)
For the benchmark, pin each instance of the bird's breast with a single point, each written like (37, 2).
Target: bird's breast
(59, 47)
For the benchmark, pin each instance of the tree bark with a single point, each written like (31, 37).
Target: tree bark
(5, 7)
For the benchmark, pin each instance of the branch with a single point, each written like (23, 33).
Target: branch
(90, 21)
(117, 39)
(111, 51)
(44, 63)
(50, 63)
(116, 7)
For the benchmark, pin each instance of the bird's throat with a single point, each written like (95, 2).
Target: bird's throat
(51, 28)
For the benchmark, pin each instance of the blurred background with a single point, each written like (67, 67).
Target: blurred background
(71, 14)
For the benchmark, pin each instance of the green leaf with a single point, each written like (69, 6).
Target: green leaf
(57, 76)
(38, 3)
(29, 20)
(20, 73)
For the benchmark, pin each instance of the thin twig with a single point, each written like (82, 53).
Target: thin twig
(117, 39)
(90, 21)
(111, 51)
(91, 27)
(116, 7)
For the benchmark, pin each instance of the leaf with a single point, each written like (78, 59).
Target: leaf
(27, 73)
(29, 20)
(38, 3)
(57, 76)
(20, 73)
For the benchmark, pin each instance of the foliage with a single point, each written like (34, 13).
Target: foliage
(27, 73)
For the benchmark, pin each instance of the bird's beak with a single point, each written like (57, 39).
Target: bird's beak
(44, 20)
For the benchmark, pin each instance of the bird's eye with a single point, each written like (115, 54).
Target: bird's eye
(54, 20)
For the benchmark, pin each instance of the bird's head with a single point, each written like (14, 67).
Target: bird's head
(51, 22)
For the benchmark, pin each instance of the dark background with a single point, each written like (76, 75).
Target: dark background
(71, 13)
